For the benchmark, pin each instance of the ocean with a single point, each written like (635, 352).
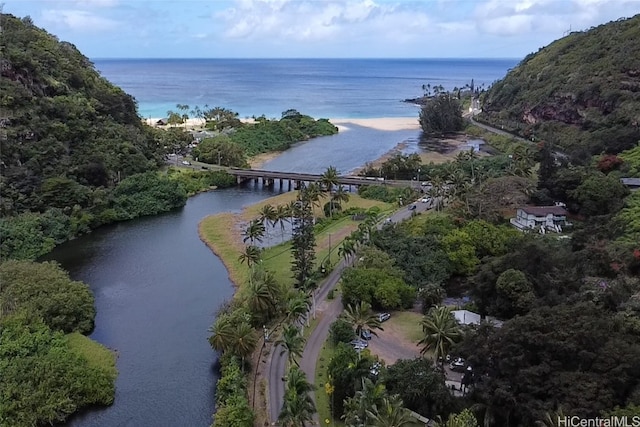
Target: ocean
(329, 88)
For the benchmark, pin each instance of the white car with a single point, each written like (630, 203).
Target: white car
(186, 163)
(383, 317)
(425, 200)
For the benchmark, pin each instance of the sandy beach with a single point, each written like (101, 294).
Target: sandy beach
(379, 123)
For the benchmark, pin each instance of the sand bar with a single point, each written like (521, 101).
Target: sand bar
(379, 123)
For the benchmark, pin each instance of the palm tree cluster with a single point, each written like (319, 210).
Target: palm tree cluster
(457, 180)
(358, 237)
(337, 193)
(372, 407)
(234, 334)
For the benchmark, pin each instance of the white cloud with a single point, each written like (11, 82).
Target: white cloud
(78, 20)
(321, 20)
(521, 17)
(98, 3)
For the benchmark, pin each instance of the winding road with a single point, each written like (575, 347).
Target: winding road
(327, 311)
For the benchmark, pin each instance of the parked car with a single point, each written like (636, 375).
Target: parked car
(458, 365)
(186, 163)
(375, 369)
(365, 334)
(383, 317)
(359, 344)
(412, 206)
(426, 200)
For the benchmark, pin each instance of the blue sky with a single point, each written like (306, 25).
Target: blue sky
(315, 28)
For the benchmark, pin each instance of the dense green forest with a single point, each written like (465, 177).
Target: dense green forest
(74, 154)
(581, 92)
(238, 140)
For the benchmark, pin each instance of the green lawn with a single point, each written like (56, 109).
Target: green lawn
(97, 355)
(409, 323)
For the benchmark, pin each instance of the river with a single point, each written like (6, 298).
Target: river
(157, 288)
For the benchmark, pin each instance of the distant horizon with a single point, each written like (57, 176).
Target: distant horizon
(313, 58)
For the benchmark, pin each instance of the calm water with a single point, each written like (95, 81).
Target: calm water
(157, 289)
(346, 151)
(352, 88)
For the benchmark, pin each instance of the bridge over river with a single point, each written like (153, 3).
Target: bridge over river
(269, 177)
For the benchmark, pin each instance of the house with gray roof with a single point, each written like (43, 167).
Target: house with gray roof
(547, 218)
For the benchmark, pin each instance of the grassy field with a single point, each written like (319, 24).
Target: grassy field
(222, 233)
(409, 323)
(96, 354)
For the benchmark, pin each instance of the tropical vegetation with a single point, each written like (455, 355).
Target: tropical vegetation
(48, 368)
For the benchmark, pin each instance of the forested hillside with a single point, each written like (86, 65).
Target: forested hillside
(581, 92)
(65, 128)
(68, 139)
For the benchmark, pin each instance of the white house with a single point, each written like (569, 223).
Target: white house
(551, 218)
(466, 317)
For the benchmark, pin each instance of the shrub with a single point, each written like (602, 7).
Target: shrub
(341, 331)
(46, 290)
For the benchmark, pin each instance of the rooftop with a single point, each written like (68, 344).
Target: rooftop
(631, 182)
(466, 317)
(544, 210)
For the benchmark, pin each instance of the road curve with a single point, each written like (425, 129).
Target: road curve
(314, 343)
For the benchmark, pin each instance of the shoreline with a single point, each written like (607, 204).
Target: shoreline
(377, 123)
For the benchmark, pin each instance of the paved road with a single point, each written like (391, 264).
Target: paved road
(328, 311)
(557, 154)
(497, 131)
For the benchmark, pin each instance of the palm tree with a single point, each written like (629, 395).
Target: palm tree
(312, 194)
(360, 317)
(244, 340)
(291, 209)
(347, 249)
(340, 195)
(328, 180)
(390, 413)
(251, 256)
(355, 408)
(298, 407)
(292, 342)
(297, 306)
(222, 334)
(441, 331)
(254, 232)
(282, 215)
(261, 299)
(185, 116)
(268, 215)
